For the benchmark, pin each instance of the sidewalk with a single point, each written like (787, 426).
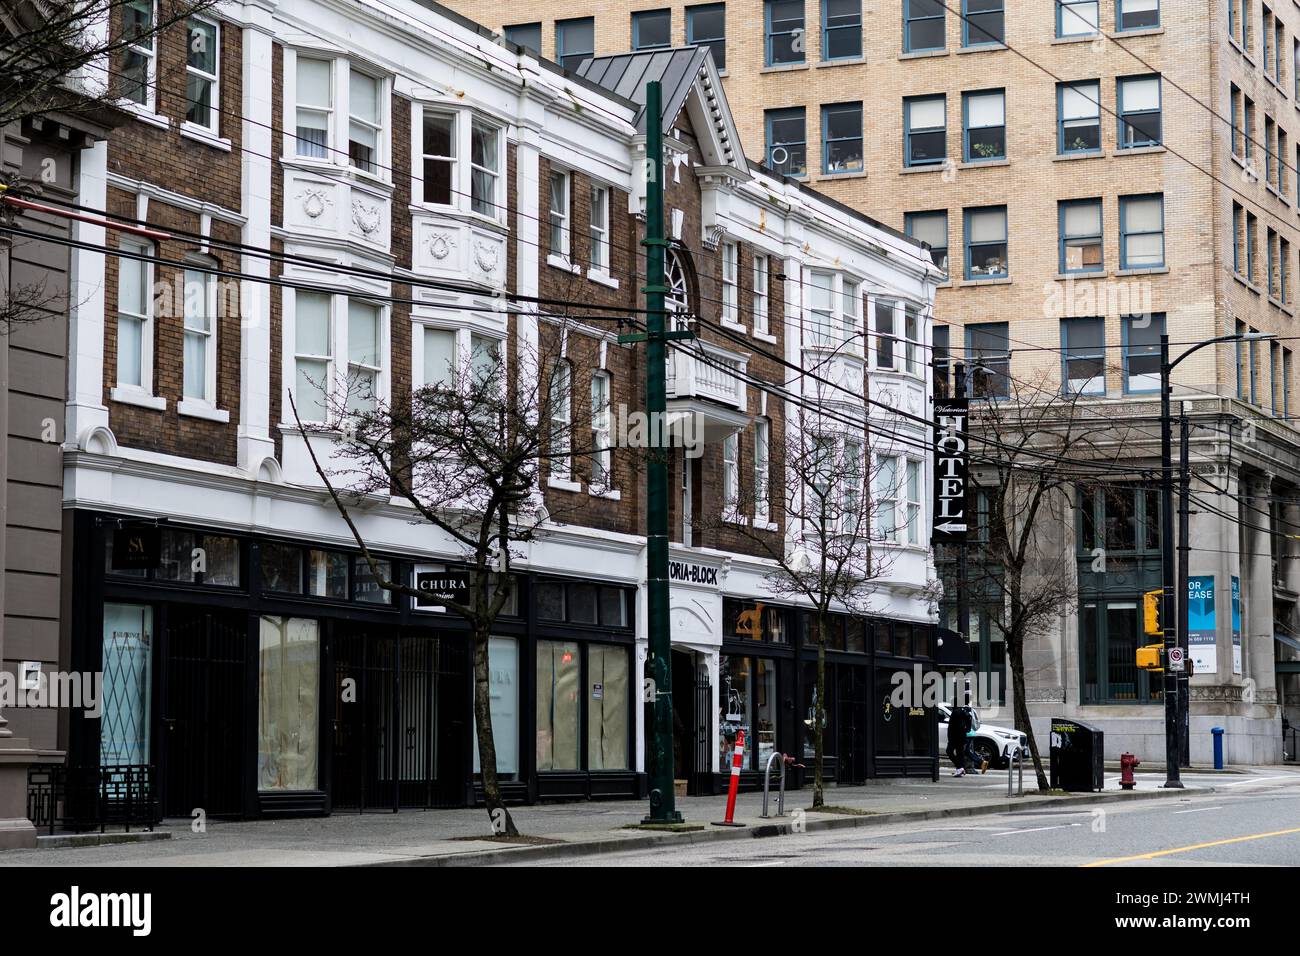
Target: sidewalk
(448, 837)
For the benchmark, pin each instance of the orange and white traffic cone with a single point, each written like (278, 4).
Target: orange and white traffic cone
(737, 759)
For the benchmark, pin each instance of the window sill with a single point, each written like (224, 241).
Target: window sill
(992, 280)
(1081, 274)
(763, 524)
(928, 168)
(1279, 304)
(1273, 189)
(764, 337)
(1081, 154)
(1140, 32)
(982, 48)
(146, 115)
(564, 484)
(1272, 81)
(1247, 283)
(608, 494)
(204, 410)
(1082, 38)
(1140, 150)
(560, 262)
(1150, 271)
(922, 54)
(132, 396)
(734, 326)
(205, 136)
(735, 518)
(983, 163)
(323, 167)
(843, 61)
(784, 68)
(850, 174)
(601, 277)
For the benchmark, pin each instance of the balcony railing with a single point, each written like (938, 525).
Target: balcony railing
(703, 370)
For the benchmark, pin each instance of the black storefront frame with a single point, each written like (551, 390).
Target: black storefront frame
(882, 633)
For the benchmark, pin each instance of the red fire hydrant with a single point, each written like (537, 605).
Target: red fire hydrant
(1126, 764)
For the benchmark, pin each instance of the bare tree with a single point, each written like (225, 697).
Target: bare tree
(1034, 447)
(823, 468)
(467, 454)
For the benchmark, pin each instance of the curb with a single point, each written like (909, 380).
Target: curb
(61, 841)
(612, 844)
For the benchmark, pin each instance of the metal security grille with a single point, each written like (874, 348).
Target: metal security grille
(202, 716)
(400, 742)
(703, 732)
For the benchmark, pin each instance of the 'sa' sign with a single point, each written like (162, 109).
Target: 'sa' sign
(951, 462)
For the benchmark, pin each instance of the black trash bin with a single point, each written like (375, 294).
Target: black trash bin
(1078, 756)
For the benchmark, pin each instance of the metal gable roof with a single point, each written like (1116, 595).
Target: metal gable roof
(626, 74)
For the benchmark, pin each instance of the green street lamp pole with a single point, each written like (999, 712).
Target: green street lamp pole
(662, 796)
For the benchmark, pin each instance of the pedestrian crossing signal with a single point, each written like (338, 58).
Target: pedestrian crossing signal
(1149, 657)
(1151, 612)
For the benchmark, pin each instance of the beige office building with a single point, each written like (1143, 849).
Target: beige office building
(1080, 165)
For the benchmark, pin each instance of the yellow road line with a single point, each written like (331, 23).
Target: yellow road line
(1194, 846)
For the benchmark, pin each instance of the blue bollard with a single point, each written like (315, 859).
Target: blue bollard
(1218, 747)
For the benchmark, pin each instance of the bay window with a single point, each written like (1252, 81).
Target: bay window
(822, 306)
(313, 355)
(363, 356)
(439, 150)
(329, 329)
(886, 339)
(440, 361)
(315, 95)
(485, 169)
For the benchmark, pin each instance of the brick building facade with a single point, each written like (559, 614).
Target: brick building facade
(371, 189)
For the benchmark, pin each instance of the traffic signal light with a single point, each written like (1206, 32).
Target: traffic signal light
(1151, 612)
(1150, 657)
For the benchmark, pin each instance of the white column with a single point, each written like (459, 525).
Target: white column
(87, 296)
(255, 442)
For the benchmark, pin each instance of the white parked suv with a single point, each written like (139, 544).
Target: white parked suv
(995, 744)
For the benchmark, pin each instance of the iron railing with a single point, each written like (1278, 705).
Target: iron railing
(80, 799)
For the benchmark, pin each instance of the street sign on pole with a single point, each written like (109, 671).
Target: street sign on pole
(951, 463)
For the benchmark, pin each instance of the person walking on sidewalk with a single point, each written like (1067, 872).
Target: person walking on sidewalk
(959, 725)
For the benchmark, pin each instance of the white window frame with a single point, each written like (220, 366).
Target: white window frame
(730, 280)
(821, 322)
(560, 445)
(850, 299)
(150, 53)
(339, 117)
(213, 126)
(209, 336)
(913, 506)
(423, 113)
(879, 336)
(761, 278)
(376, 370)
(420, 368)
(599, 231)
(496, 202)
(913, 337)
(730, 474)
(378, 127)
(851, 483)
(602, 458)
(338, 358)
(762, 470)
(559, 219)
(146, 319)
(886, 498)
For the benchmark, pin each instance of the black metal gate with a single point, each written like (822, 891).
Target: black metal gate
(400, 722)
(704, 756)
(202, 713)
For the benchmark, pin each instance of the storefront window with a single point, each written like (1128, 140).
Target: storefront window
(582, 603)
(917, 730)
(287, 706)
(281, 568)
(755, 621)
(221, 558)
(503, 684)
(903, 639)
(368, 589)
(607, 729)
(128, 664)
(884, 637)
(613, 607)
(855, 639)
(558, 705)
(737, 709)
(549, 596)
(765, 710)
(327, 574)
(177, 560)
(809, 748)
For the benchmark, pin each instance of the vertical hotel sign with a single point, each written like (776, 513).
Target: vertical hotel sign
(951, 462)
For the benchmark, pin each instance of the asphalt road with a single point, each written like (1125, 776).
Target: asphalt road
(1251, 822)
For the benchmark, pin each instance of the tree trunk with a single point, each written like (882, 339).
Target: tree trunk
(1015, 650)
(502, 822)
(819, 715)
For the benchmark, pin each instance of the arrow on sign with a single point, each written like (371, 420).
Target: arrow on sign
(950, 527)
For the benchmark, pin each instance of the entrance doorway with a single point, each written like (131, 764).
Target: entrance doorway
(692, 708)
(202, 711)
(400, 731)
(853, 709)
